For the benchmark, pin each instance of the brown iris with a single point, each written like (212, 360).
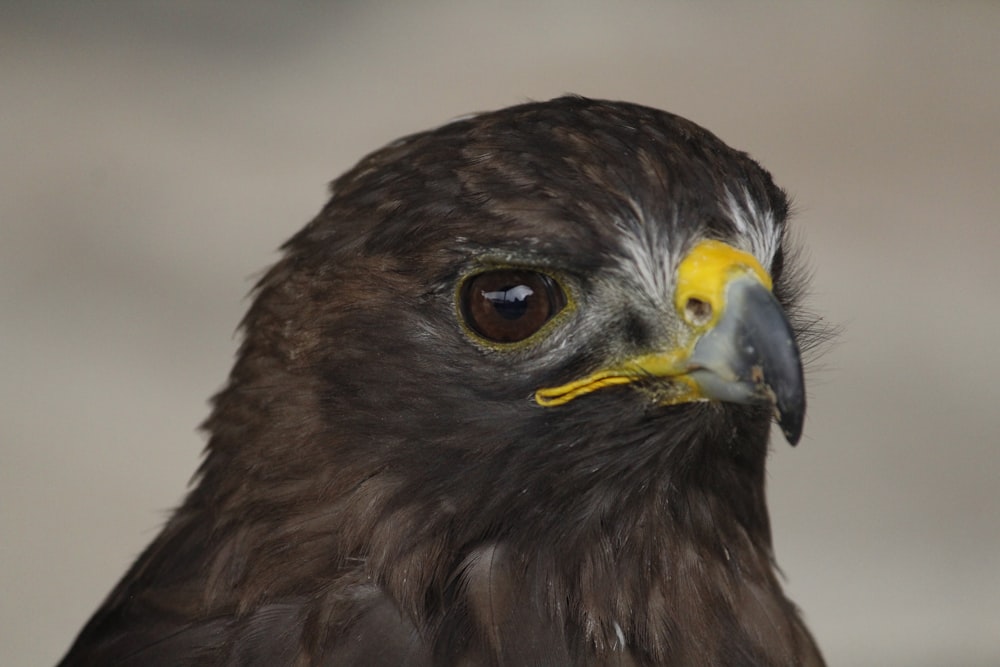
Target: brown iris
(509, 305)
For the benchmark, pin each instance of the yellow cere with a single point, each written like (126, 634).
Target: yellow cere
(703, 274)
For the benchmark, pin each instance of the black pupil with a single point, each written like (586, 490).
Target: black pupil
(510, 303)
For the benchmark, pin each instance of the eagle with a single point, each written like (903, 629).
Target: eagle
(506, 400)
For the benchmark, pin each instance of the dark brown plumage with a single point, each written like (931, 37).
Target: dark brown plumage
(384, 483)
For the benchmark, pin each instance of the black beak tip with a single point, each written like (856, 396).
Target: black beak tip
(791, 422)
(790, 406)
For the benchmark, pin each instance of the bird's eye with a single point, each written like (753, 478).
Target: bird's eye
(509, 305)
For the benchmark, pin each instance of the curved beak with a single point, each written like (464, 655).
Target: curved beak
(741, 347)
(750, 356)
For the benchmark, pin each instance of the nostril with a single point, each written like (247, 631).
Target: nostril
(697, 312)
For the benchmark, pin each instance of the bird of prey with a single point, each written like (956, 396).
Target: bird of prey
(505, 401)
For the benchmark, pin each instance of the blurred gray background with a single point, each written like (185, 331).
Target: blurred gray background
(154, 154)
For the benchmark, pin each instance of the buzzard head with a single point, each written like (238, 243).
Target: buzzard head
(507, 400)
